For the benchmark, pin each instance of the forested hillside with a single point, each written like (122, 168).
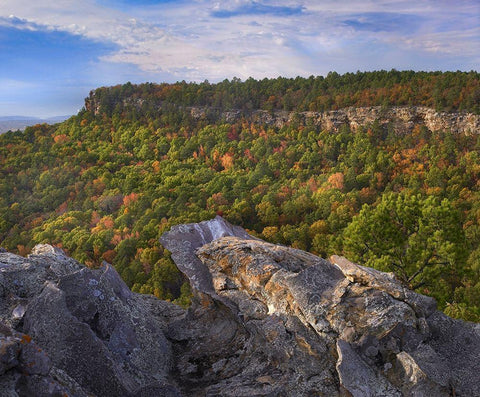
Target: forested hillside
(450, 91)
(105, 184)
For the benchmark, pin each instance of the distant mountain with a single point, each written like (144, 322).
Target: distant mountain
(21, 122)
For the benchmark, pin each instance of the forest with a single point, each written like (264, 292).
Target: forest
(442, 91)
(105, 184)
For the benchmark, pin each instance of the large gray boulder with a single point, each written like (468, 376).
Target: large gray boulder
(71, 330)
(266, 320)
(289, 323)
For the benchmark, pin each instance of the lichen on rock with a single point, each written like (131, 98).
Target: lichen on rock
(360, 329)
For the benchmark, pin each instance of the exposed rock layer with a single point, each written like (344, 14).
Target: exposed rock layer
(401, 118)
(266, 320)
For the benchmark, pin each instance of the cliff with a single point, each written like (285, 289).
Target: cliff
(266, 320)
(401, 118)
(401, 97)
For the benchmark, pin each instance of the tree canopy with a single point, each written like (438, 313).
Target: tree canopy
(106, 185)
(443, 91)
(420, 239)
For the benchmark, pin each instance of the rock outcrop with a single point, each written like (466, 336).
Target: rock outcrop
(266, 320)
(401, 118)
(69, 330)
(302, 325)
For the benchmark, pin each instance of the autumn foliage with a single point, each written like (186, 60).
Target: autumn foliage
(106, 186)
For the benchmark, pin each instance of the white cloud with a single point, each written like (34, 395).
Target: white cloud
(185, 40)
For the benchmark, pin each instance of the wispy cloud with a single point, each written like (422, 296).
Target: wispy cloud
(6, 85)
(200, 39)
(385, 22)
(14, 22)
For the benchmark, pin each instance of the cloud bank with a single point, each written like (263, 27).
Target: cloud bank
(200, 39)
(193, 40)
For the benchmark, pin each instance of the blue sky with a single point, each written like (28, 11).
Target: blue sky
(54, 52)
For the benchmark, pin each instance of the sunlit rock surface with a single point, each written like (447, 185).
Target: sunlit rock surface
(401, 118)
(266, 320)
(285, 322)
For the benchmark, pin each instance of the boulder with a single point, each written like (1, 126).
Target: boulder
(266, 320)
(321, 327)
(79, 331)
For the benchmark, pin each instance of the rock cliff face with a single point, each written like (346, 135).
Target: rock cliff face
(266, 320)
(401, 118)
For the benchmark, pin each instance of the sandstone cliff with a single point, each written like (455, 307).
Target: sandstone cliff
(266, 320)
(401, 118)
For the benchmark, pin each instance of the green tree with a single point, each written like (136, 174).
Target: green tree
(420, 239)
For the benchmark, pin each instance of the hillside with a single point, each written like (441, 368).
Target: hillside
(265, 320)
(448, 91)
(320, 164)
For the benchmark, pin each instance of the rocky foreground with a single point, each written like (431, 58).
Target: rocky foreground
(266, 320)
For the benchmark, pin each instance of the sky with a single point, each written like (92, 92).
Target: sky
(53, 52)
